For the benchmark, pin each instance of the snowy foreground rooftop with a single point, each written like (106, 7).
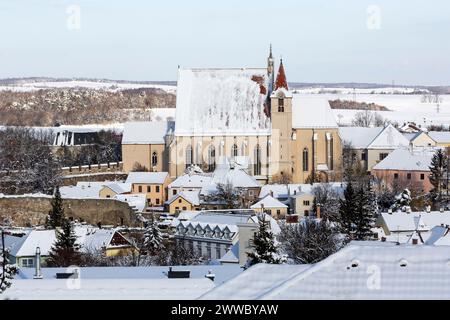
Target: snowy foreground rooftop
(121, 283)
(362, 270)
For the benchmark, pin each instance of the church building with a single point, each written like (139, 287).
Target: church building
(245, 117)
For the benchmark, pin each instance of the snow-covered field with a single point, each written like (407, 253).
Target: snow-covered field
(83, 84)
(342, 90)
(405, 107)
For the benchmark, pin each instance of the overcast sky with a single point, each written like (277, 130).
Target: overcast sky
(320, 41)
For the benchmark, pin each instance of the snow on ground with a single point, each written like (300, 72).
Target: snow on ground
(84, 84)
(342, 90)
(404, 107)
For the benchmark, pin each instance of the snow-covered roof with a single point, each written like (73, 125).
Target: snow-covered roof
(225, 102)
(147, 177)
(373, 138)
(191, 181)
(147, 132)
(402, 221)
(83, 190)
(136, 201)
(191, 196)
(89, 238)
(440, 136)
(280, 191)
(407, 160)
(268, 202)
(312, 112)
(109, 289)
(118, 187)
(362, 270)
(359, 137)
(232, 255)
(237, 177)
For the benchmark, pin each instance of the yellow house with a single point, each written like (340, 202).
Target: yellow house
(113, 189)
(144, 145)
(442, 138)
(420, 139)
(303, 204)
(184, 201)
(271, 206)
(153, 184)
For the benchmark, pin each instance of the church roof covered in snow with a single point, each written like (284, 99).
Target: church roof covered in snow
(226, 102)
(312, 112)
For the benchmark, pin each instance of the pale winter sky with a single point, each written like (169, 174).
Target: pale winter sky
(406, 41)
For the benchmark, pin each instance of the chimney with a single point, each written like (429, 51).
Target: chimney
(271, 194)
(37, 267)
(210, 276)
(318, 211)
(428, 209)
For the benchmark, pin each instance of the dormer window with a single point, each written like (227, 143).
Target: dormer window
(280, 105)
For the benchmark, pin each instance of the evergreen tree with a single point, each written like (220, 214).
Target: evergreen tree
(438, 168)
(367, 211)
(265, 248)
(7, 271)
(348, 211)
(65, 252)
(402, 201)
(153, 239)
(55, 216)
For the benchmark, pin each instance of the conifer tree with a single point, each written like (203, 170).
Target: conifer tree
(438, 168)
(367, 211)
(65, 252)
(265, 248)
(153, 239)
(402, 201)
(55, 216)
(348, 211)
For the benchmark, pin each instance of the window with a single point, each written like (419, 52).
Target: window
(154, 159)
(257, 162)
(331, 154)
(218, 251)
(158, 201)
(158, 188)
(395, 176)
(149, 189)
(211, 158)
(278, 212)
(140, 189)
(28, 263)
(108, 196)
(188, 156)
(306, 203)
(280, 105)
(184, 208)
(180, 201)
(174, 192)
(422, 176)
(305, 160)
(383, 156)
(364, 156)
(234, 151)
(409, 176)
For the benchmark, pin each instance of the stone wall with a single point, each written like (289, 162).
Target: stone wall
(28, 211)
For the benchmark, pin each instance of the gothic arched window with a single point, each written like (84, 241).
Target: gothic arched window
(257, 162)
(211, 158)
(188, 156)
(234, 151)
(305, 160)
(154, 159)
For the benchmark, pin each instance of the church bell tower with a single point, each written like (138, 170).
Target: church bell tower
(281, 115)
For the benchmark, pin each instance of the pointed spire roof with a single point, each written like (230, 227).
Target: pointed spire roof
(281, 81)
(270, 55)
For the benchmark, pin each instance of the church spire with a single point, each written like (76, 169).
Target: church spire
(281, 81)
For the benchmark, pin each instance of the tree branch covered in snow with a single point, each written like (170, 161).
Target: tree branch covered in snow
(7, 271)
